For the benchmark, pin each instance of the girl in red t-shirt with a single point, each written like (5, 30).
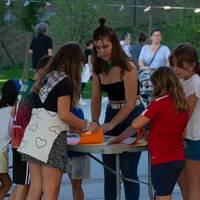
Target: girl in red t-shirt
(167, 116)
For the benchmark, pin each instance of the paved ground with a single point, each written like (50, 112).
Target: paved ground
(93, 187)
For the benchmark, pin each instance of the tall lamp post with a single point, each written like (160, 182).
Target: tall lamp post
(149, 10)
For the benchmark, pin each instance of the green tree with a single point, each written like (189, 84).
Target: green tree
(74, 20)
(29, 16)
(2, 12)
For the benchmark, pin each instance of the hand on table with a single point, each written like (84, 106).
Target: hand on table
(93, 127)
(107, 127)
(75, 130)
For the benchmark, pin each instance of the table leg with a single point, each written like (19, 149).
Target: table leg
(150, 187)
(118, 189)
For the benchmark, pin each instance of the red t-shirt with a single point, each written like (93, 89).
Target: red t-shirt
(165, 140)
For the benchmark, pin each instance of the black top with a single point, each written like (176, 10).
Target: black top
(40, 46)
(115, 91)
(63, 88)
(86, 53)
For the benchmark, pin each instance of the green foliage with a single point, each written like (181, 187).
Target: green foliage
(74, 21)
(13, 73)
(30, 16)
(184, 30)
(2, 12)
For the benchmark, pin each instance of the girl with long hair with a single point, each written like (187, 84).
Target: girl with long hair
(115, 74)
(44, 144)
(167, 116)
(184, 60)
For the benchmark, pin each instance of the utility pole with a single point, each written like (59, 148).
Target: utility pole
(134, 13)
(150, 21)
(150, 18)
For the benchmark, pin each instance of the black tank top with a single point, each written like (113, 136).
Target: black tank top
(116, 91)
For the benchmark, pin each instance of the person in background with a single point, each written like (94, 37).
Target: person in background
(21, 114)
(87, 67)
(126, 44)
(41, 45)
(55, 92)
(184, 60)
(154, 55)
(115, 74)
(78, 165)
(167, 116)
(136, 48)
(9, 95)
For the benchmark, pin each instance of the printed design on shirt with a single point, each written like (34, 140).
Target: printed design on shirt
(52, 114)
(40, 143)
(49, 82)
(35, 115)
(33, 127)
(55, 129)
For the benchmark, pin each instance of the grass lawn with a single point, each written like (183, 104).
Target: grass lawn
(16, 73)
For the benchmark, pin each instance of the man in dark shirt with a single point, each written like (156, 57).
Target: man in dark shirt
(41, 45)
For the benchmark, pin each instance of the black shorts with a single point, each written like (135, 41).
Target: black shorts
(164, 177)
(20, 169)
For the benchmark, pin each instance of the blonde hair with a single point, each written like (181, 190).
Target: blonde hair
(165, 81)
(68, 59)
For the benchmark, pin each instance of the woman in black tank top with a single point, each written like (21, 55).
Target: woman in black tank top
(115, 74)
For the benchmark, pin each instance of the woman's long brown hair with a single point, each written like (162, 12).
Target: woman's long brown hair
(165, 81)
(67, 59)
(119, 58)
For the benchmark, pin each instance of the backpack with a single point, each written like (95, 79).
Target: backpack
(22, 115)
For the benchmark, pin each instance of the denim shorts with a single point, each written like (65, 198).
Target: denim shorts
(164, 177)
(192, 149)
(110, 113)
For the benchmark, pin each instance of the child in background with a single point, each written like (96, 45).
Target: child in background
(184, 60)
(87, 68)
(78, 165)
(167, 116)
(9, 96)
(22, 113)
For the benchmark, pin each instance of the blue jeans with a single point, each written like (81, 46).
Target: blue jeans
(128, 161)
